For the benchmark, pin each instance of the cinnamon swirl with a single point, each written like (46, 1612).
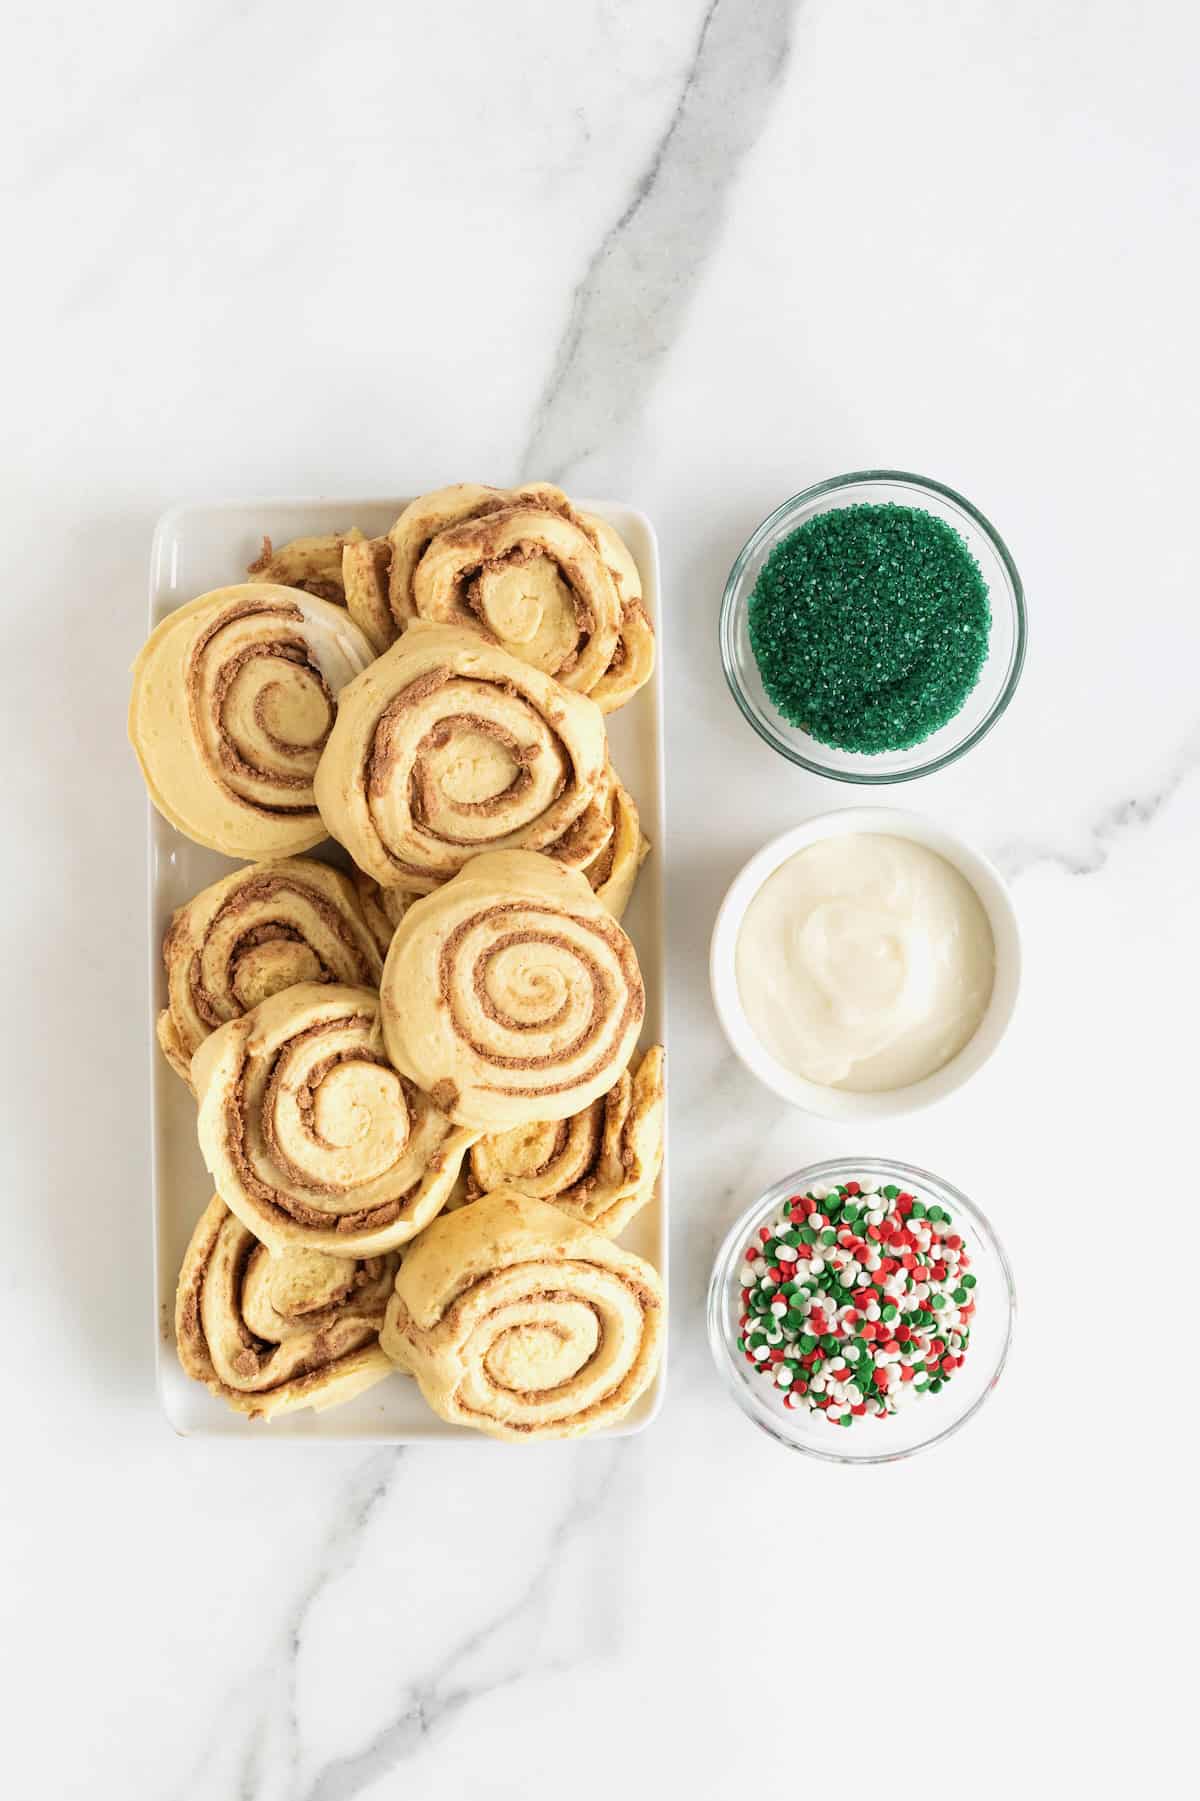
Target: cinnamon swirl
(446, 747)
(599, 1166)
(511, 994)
(234, 695)
(260, 930)
(309, 1134)
(522, 1323)
(271, 1334)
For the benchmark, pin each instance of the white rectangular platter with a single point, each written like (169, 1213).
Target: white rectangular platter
(197, 548)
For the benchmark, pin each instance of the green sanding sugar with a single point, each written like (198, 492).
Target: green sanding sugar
(869, 625)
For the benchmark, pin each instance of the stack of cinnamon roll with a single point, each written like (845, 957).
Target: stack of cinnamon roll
(419, 1093)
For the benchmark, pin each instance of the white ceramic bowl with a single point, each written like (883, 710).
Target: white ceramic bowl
(837, 1103)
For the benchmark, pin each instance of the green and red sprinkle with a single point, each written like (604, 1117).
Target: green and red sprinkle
(856, 1300)
(869, 625)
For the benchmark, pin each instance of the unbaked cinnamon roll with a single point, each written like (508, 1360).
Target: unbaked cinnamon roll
(632, 661)
(613, 870)
(524, 1324)
(312, 564)
(530, 579)
(511, 994)
(310, 1135)
(520, 566)
(446, 747)
(234, 696)
(599, 1166)
(271, 1334)
(378, 576)
(260, 930)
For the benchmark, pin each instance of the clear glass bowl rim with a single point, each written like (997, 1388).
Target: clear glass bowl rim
(919, 483)
(833, 1169)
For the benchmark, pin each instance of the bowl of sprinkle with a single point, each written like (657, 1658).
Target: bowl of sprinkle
(860, 1310)
(873, 628)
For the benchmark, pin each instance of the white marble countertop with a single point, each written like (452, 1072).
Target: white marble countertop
(696, 256)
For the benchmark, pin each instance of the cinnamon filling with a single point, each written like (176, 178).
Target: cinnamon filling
(275, 1200)
(601, 1013)
(261, 891)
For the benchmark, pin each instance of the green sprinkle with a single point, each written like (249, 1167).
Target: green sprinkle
(807, 1235)
(808, 1343)
(869, 625)
(968, 1281)
(828, 1235)
(890, 1192)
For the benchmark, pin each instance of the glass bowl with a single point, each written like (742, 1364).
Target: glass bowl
(1006, 643)
(931, 1418)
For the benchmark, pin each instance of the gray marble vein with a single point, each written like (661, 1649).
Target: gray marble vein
(273, 1734)
(627, 308)
(446, 1689)
(1103, 834)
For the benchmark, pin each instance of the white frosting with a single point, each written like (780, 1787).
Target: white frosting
(865, 962)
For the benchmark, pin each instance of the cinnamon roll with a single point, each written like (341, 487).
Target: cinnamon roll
(521, 1322)
(599, 1166)
(379, 575)
(511, 994)
(311, 1137)
(260, 930)
(632, 661)
(531, 580)
(312, 564)
(447, 746)
(613, 869)
(271, 1334)
(234, 695)
(555, 587)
